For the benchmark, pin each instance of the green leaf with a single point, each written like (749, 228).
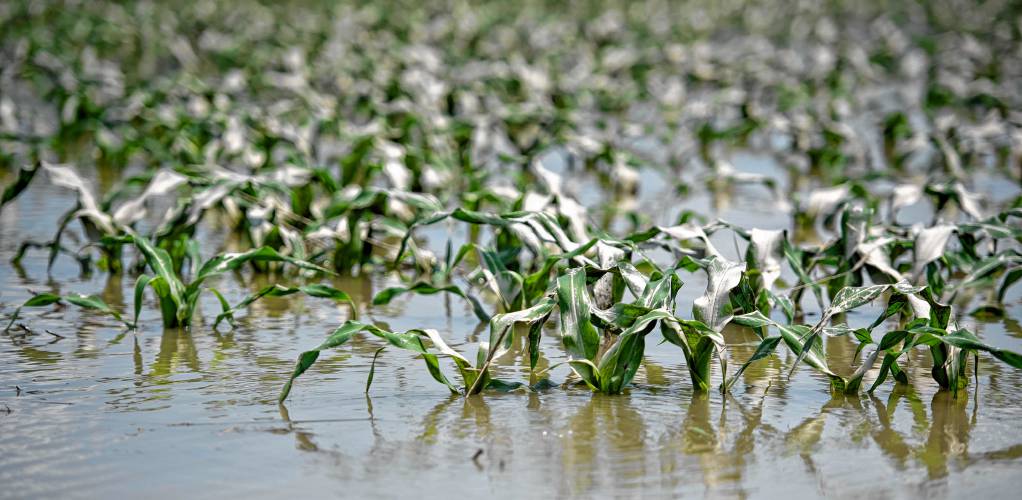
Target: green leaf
(617, 366)
(92, 302)
(40, 300)
(766, 347)
(388, 294)
(338, 337)
(966, 340)
(846, 299)
(170, 287)
(95, 303)
(795, 257)
(316, 290)
(813, 356)
(660, 292)
(410, 340)
(143, 281)
(888, 365)
(754, 319)
(232, 261)
(579, 336)
(25, 176)
(892, 339)
(714, 308)
(849, 298)
(1010, 279)
(372, 369)
(500, 324)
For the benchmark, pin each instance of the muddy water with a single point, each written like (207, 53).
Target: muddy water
(89, 410)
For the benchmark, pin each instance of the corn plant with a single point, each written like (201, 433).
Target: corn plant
(102, 222)
(178, 299)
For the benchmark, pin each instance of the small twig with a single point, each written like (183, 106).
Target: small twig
(25, 331)
(59, 336)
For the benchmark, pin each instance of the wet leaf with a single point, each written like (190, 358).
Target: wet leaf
(713, 307)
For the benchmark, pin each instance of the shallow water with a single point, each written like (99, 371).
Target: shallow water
(90, 410)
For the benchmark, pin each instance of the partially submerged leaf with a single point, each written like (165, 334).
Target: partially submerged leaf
(316, 290)
(409, 341)
(92, 302)
(387, 295)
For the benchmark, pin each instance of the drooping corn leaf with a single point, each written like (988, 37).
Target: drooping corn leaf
(386, 295)
(316, 290)
(411, 340)
(766, 347)
(39, 300)
(92, 302)
(232, 261)
(25, 176)
(579, 336)
(713, 307)
(617, 366)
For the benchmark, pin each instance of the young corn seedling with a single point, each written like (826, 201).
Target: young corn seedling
(474, 378)
(101, 221)
(178, 299)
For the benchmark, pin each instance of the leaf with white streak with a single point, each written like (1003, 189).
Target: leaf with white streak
(929, 246)
(163, 183)
(714, 307)
(579, 336)
(66, 177)
(765, 253)
(905, 195)
(500, 324)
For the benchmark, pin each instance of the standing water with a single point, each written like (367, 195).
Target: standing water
(758, 179)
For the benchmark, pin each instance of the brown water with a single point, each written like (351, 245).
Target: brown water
(169, 413)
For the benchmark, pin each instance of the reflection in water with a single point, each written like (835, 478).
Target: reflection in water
(303, 439)
(607, 443)
(176, 349)
(113, 291)
(948, 438)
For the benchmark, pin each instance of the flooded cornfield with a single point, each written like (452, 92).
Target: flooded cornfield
(510, 249)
